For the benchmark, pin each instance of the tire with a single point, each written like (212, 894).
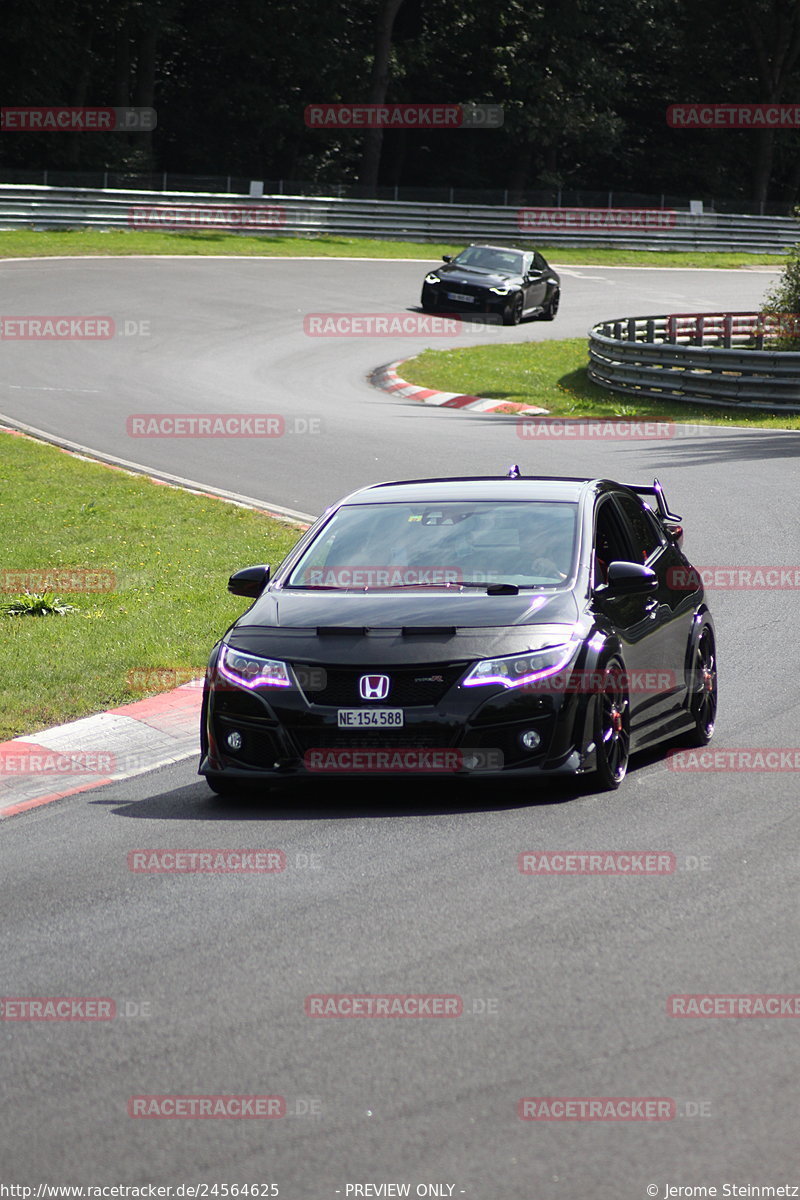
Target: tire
(703, 697)
(612, 717)
(550, 309)
(512, 313)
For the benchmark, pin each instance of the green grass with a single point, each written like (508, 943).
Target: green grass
(169, 554)
(553, 375)
(27, 243)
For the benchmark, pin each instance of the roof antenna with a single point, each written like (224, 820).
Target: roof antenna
(514, 472)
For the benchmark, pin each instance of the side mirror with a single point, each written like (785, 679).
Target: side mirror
(447, 258)
(249, 582)
(630, 579)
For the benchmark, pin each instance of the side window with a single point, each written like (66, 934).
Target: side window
(611, 542)
(644, 531)
(538, 263)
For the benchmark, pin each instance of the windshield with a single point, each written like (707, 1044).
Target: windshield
(507, 261)
(453, 544)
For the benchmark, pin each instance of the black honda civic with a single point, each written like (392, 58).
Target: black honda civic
(507, 627)
(512, 284)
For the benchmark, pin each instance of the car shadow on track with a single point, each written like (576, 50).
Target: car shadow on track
(310, 800)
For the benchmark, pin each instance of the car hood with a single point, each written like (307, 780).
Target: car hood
(397, 627)
(477, 277)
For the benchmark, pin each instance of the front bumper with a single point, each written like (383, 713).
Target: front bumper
(467, 732)
(482, 301)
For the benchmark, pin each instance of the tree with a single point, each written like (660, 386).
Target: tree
(378, 86)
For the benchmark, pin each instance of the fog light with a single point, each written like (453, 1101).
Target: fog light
(530, 739)
(234, 740)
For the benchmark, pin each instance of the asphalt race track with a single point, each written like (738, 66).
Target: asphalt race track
(564, 980)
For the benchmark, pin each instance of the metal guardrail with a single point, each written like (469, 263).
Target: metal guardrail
(709, 358)
(40, 207)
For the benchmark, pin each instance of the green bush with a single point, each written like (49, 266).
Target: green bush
(784, 299)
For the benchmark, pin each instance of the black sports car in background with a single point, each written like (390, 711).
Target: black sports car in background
(494, 279)
(511, 626)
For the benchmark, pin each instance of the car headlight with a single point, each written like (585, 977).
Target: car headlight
(432, 278)
(516, 670)
(250, 671)
(501, 291)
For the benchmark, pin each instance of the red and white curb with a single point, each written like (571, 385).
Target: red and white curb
(388, 380)
(94, 751)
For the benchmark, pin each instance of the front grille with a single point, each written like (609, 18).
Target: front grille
(409, 686)
(466, 289)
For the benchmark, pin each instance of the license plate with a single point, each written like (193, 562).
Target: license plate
(460, 296)
(370, 718)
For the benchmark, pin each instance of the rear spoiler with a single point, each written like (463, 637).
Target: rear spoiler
(661, 500)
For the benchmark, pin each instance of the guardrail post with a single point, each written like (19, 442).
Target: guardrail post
(631, 329)
(650, 330)
(700, 329)
(727, 331)
(759, 332)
